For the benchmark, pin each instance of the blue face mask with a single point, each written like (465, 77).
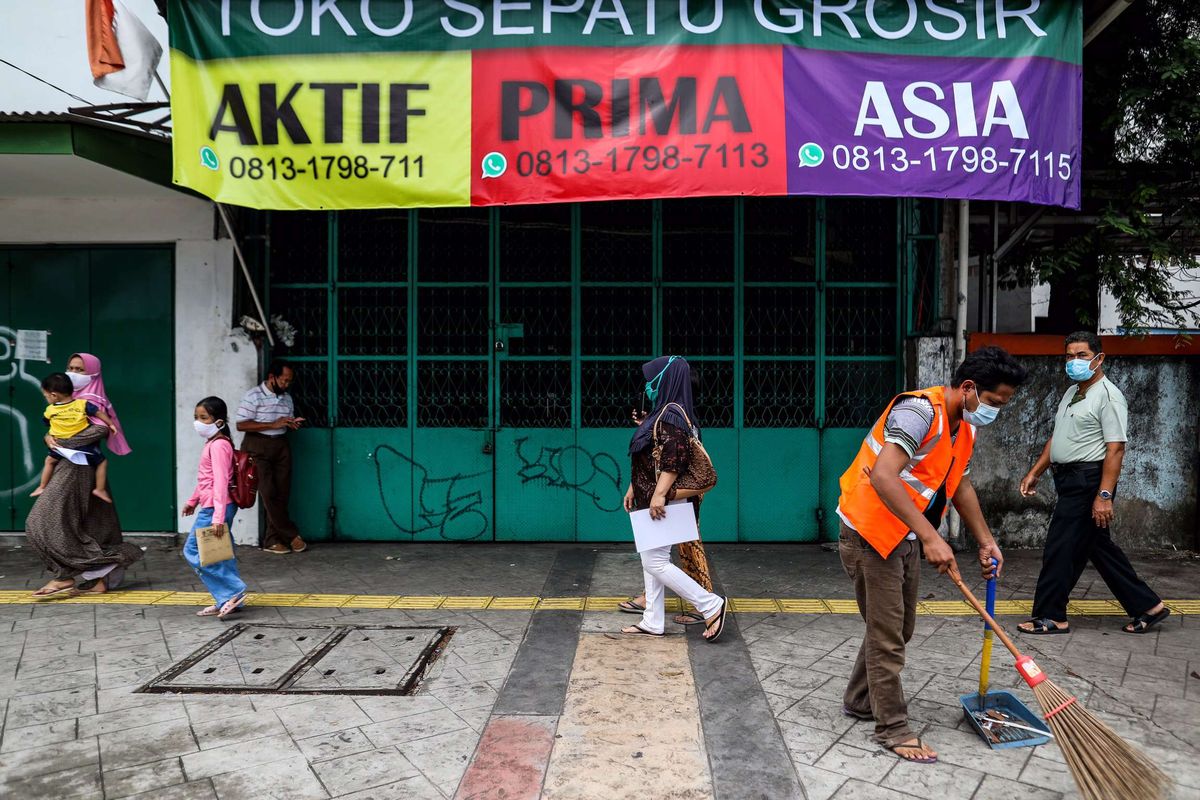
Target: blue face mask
(653, 384)
(1080, 369)
(982, 415)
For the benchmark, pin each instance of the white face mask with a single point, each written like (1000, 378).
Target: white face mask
(79, 380)
(207, 430)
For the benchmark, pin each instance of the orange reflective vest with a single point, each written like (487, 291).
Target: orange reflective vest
(938, 461)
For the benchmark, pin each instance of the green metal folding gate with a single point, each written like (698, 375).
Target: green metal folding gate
(471, 371)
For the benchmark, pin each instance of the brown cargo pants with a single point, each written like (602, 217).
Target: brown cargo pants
(886, 591)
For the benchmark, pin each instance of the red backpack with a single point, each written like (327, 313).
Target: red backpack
(243, 482)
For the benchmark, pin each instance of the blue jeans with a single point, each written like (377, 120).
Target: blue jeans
(221, 579)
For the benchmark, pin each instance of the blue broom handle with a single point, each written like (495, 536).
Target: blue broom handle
(991, 597)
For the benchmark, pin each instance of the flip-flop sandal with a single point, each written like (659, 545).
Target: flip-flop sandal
(231, 605)
(717, 626)
(630, 607)
(689, 618)
(1043, 627)
(919, 744)
(638, 630)
(1147, 621)
(71, 590)
(847, 711)
(211, 611)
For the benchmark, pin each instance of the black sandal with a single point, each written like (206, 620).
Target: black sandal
(689, 618)
(1043, 627)
(1147, 621)
(630, 607)
(717, 626)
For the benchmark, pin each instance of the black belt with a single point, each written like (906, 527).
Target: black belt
(1076, 466)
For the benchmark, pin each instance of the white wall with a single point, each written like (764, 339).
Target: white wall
(209, 359)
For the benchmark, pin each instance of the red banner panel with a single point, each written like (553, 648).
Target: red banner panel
(564, 124)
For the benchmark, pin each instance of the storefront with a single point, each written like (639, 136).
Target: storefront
(469, 373)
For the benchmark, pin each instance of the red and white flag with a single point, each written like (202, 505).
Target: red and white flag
(123, 53)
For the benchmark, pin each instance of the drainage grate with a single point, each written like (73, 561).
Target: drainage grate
(251, 658)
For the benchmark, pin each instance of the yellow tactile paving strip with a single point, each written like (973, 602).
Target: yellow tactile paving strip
(768, 605)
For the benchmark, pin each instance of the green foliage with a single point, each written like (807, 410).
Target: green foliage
(1139, 228)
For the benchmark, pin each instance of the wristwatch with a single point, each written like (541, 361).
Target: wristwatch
(1105, 494)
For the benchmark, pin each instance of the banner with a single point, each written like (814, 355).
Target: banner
(324, 104)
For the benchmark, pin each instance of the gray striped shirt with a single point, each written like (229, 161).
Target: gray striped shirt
(260, 405)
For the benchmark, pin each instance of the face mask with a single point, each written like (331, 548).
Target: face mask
(1080, 369)
(982, 415)
(207, 430)
(79, 380)
(653, 384)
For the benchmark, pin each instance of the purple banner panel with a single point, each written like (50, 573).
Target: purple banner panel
(909, 126)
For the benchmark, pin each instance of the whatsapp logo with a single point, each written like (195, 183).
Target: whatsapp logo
(811, 155)
(494, 165)
(208, 157)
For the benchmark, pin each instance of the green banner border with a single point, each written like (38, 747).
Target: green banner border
(197, 28)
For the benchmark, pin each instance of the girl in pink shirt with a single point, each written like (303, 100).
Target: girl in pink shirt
(211, 496)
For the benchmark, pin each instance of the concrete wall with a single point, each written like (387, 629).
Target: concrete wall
(209, 359)
(1156, 502)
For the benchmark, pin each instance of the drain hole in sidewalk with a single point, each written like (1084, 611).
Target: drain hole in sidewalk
(315, 658)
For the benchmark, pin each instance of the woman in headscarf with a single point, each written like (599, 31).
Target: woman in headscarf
(77, 534)
(669, 388)
(692, 558)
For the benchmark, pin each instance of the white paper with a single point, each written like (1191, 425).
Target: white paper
(32, 346)
(74, 456)
(679, 525)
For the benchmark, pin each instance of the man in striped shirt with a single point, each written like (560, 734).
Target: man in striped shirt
(265, 415)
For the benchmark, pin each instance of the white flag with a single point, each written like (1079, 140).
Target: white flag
(140, 51)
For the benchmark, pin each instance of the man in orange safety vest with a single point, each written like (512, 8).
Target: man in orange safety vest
(913, 463)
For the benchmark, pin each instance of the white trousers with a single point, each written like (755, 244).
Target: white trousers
(659, 574)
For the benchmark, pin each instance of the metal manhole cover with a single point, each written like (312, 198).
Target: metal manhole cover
(251, 658)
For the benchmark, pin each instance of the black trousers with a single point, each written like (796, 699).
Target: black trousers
(1074, 539)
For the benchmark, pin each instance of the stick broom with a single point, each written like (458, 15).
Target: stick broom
(1104, 766)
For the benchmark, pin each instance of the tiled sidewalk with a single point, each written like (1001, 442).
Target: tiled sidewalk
(765, 702)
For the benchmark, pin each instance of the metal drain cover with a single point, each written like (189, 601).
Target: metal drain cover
(251, 658)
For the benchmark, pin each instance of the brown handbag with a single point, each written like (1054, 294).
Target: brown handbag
(701, 475)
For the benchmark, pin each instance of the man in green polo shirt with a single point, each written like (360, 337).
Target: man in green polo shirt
(1085, 453)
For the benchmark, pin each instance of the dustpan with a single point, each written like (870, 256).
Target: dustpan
(1006, 721)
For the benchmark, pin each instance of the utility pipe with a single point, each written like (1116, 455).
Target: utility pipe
(237, 251)
(1105, 19)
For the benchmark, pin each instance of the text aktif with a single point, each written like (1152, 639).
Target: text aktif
(274, 112)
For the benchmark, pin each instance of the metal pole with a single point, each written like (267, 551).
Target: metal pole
(960, 315)
(995, 268)
(954, 522)
(237, 252)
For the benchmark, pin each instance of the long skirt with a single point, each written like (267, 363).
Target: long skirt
(70, 528)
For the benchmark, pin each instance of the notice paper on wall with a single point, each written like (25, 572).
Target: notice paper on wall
(679, 525)
(33, 346)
